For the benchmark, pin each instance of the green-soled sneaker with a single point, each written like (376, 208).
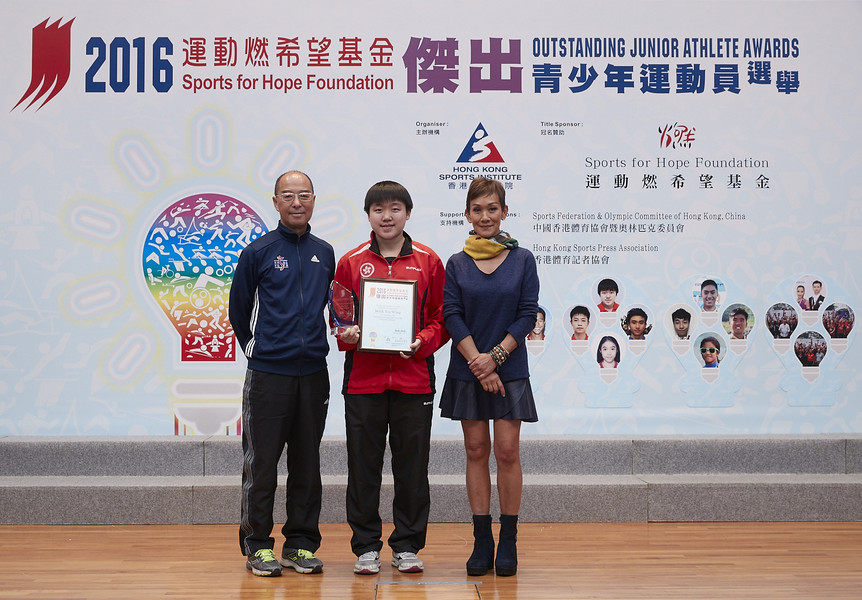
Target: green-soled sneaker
(302, 561)
(263, 564)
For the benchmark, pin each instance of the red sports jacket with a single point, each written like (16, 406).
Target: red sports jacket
(373, 372)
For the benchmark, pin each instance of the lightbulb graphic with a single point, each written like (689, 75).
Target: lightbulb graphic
(708, 294)
(535, 341)
(608, 358)
(838, 320)
(680, 322)
(810, 349)
(781, 320)
(636, 325)
(189, 256)
(814, 294)
(710, 349)
(738, 322)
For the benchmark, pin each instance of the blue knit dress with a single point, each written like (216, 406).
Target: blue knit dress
(487, 307)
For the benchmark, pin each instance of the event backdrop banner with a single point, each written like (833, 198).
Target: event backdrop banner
(686, 174)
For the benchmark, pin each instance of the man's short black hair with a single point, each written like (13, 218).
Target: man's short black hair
(681, 313)
(636, 312)
(608, 284)
(579, 310)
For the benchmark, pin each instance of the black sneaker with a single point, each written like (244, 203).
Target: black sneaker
(302, 561)
(263, 564)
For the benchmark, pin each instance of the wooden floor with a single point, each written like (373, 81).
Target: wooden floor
(556, 560)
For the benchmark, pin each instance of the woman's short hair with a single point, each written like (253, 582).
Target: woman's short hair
(482, 187)
(387, 190)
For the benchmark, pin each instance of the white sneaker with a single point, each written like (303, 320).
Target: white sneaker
(368, 563)
(407, 562)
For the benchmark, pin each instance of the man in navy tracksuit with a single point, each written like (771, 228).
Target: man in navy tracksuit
(276, 309)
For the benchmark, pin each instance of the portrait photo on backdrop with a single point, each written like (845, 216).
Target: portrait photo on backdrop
(781, 320)
(708, 294)
(738, 321)
(577, 324)
(709, 351)
(680, 322)
(810, 348)
(838, 319)
(538, 331)
(813, 292)
(608, 355)
(608, 294)
(636, 323)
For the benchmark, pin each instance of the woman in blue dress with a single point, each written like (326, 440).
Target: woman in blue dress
(490, 301)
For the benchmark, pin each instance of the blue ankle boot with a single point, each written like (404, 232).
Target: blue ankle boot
(506, 563)
(482, 559)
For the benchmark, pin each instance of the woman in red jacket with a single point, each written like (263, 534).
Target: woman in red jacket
(393, 392)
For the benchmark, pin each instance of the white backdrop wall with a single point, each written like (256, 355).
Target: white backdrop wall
(659, 144)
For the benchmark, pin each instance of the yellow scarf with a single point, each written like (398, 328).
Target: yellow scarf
(479, 248)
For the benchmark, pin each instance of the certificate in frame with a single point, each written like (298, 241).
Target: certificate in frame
(387, 315)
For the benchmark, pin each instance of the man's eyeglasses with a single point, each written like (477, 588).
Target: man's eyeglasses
(303, 196)
(709, 350)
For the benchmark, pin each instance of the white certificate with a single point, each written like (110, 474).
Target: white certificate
(387, 315)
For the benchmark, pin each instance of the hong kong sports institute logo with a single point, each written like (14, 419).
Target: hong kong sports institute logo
(480, 148)
(52, 49)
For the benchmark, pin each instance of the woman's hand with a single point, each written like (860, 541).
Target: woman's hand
(492, 384)
(482, 366)
(350, 335)
(413, 348)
